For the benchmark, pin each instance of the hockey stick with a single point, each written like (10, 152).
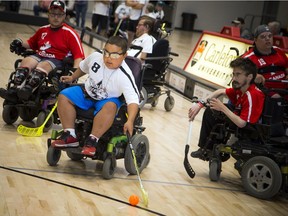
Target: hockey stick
(118, 26)
(38, 131)
(186, 163)
(143, 192)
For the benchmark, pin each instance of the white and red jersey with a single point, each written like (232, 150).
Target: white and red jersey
(248, 105)
(57, 43)
(271, 66)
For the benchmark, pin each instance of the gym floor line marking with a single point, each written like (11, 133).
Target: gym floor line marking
(143, 180)
(81, 189)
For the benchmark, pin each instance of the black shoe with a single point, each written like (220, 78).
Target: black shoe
(89, 148)
(201, 153)
(9, 95)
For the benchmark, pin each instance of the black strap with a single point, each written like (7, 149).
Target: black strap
(270, 69)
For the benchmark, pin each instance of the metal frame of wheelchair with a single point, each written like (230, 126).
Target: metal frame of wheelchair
(113, 145)
(43, 100)
(261, 154)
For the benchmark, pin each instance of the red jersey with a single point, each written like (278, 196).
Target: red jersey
(248, 105)
(58, 44)
(271, 66)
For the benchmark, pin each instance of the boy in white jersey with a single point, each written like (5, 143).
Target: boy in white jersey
(109, 78)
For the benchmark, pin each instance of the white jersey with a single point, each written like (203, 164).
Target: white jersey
(136, 13)
(145, 41)
(100, 8)
(103, 82)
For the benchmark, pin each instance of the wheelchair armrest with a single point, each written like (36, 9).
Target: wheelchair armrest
(156, 58)
(173, 54)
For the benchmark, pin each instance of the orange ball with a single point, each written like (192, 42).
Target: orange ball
(133, 200)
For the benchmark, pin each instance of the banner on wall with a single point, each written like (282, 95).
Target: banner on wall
(212, 55)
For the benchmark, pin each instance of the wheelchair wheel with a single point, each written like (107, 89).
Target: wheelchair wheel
(155, 102)
(214, 169)
(73, 156)
(53, 156)
(27, 113)
(169, 103)
(109, 167)
(10, 114)
(144, 98)
(41, 118)
(141, 147)
(261, 177)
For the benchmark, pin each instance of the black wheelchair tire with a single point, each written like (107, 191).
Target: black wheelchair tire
(169, 103)
(141, 147)
(53, 156)
(41, 118)
(252, 177)
(74, 156)
(109, 167)
(27, 114)
(214, 169)
(10, 114)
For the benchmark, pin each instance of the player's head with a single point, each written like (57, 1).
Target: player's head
(114, 52)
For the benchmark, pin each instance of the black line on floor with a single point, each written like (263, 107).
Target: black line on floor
(81, 189)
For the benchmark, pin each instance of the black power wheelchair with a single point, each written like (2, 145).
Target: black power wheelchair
(113, 144)
(42, 99)
(260, 150)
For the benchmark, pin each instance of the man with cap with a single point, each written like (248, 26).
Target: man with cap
(271, 61)
(51, 43)
(244, 32)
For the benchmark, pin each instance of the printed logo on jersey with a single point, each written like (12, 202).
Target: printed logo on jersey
(43, 35)
(261, 62)
(46, 46)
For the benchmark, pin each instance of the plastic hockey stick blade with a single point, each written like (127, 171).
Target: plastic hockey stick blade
(38, 131)
(186, 163)
(143, 192)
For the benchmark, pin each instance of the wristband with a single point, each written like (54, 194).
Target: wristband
(200, 104)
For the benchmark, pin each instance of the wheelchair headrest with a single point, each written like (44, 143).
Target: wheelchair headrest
(135, 66)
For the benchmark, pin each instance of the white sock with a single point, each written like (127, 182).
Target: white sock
(72, 131)
(94, 137)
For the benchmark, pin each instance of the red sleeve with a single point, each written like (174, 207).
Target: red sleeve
(231, 94)
(75, 45)
(33, 41)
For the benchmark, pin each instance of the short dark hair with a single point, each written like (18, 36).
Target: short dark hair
(118, 41)
(246, 65)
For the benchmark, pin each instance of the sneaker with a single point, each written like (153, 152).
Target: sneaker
(65, 140)
(89, 148)
(198, 154)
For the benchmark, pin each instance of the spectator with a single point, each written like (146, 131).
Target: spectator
(149, 11)
(100, 17)
(143, 39)
(81, 7)
(109, 78)
(275, 27)
(271, 61)
(52, 43)
(159, 13)
(13, 6)
(122, 12)
(42, 6)
(137, 9)
(247, 99)
(244, 32)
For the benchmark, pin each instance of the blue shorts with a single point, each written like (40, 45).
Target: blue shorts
(76, 95)
(53, 62)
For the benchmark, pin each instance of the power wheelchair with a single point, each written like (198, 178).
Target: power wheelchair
(41, 101)
(260, 151)
(154, 76)
(113, 144)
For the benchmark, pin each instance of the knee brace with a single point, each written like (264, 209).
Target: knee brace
(36, 78)
(20, 75)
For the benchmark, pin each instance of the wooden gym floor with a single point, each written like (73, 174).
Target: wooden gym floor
(29, 186)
